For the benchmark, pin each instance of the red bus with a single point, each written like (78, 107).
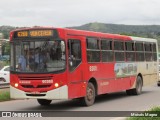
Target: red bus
(60, 63)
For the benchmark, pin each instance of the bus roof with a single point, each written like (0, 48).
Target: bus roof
(90, 33)
(143, 39)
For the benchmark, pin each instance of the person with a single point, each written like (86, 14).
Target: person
(31, 63)
(22, 61)
(55, 51)
(40, 60)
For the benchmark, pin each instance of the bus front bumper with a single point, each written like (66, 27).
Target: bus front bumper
(59, 93)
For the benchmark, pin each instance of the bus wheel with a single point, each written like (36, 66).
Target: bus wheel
(138, 89)
(89, 99)
(129, 92)
(44, 102)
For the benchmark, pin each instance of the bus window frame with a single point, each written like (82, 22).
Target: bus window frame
(69, 53)
(148, 52)
(95, 50)
(15, 40)
(119, 51)
(130, 51)
(107, 50)
(139, 52)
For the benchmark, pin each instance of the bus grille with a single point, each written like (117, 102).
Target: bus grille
(35, 78)
(36, 95)
(39, 86)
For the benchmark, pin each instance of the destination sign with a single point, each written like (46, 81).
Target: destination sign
(40, 33)
(34, 33)
(22, 34)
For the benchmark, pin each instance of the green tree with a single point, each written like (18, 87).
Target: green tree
(5, 48)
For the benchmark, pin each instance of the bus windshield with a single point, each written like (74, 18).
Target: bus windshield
(38, 56)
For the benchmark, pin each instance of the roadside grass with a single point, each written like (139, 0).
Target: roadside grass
(151, 116)
(4, 96)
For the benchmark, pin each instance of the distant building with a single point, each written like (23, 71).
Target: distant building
(1, 35)
(2, 40)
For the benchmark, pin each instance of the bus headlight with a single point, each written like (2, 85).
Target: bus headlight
(56, 85)
(16, 84)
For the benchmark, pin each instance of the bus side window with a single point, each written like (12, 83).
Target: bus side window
(107, 50)
(130, 54)
(148, 51)
(154, 50)
(119, 51)
(139, 51)
(74, 57)
(93, 51)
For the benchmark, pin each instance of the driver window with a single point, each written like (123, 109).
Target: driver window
(74, 50)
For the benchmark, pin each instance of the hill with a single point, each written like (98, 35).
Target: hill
(147, 31)
(135, 30)
(151, 31)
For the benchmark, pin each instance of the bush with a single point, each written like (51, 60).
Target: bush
(154, 111)
(4, 96)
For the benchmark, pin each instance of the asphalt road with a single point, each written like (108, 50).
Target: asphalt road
(149, 98)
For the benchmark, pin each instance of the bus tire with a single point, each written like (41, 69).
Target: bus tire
(44, 102)
(138, 89)
(129, 92)
(139, 84)
(89, 99)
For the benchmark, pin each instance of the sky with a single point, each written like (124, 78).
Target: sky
(68, 13)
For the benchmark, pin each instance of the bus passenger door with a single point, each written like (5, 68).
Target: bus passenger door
(75, 74)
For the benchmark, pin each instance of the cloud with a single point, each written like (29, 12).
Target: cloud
(62, 13)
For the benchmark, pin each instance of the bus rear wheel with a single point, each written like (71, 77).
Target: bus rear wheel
(158, 83)
(89, 99)
(44, 102)
(138, 89)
